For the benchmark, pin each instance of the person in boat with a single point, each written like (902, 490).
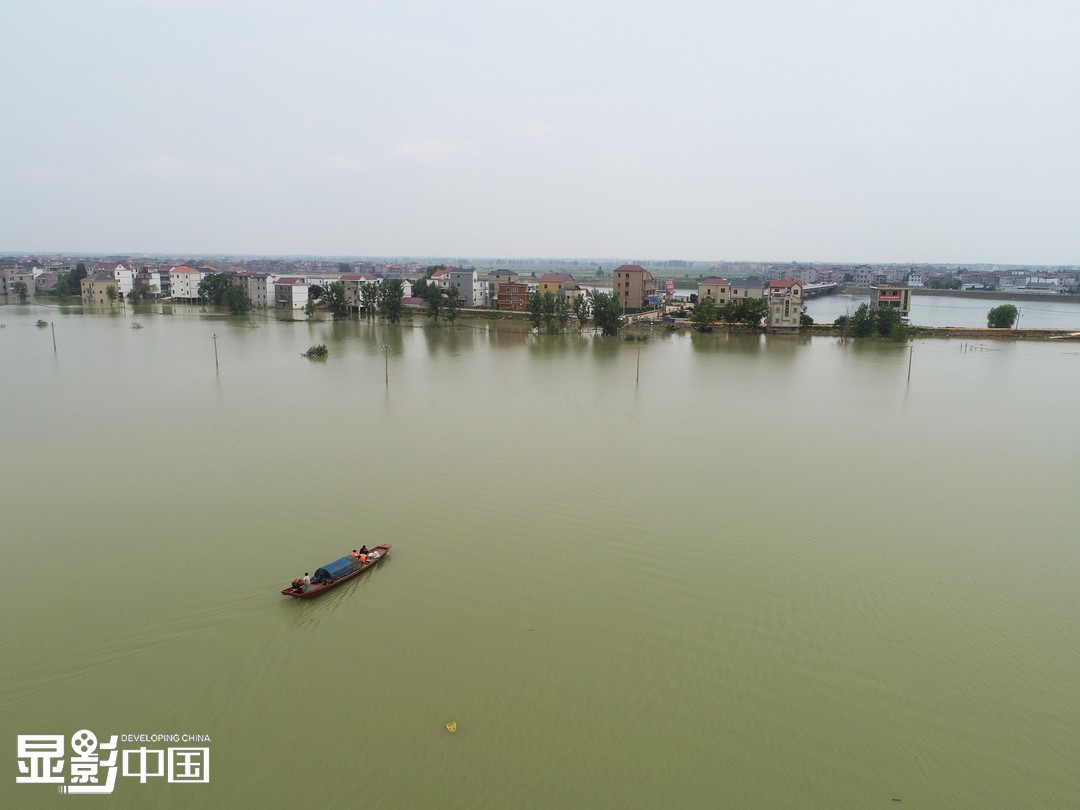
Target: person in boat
(364, 550)
(354, 554)
(306, 581)
(298, 585)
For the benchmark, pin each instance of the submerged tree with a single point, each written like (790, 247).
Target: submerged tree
(581, 311)
(607, 313)
(213, 286)
(433, 299)
(451, 304)
(391, 299)
(562, 312)
(705, 314)
(236, 299)
(536, 310)
(749, 311)
(333, 296)
(862, 321)
(369, 298)
(1002, 317)
(20, 290)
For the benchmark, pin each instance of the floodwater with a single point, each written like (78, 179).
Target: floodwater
(946, 310)
(697, 571)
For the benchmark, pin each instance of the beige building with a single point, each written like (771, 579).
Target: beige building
(747, 288)
(633, 286)
(785, 306)
(94, 289)
(554, 283)
(718, 289)
(897, 296)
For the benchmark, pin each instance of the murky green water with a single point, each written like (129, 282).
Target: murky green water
(773, 573)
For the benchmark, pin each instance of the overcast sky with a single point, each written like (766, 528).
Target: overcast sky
(840, 130)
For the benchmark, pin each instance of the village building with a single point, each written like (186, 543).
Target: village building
(747, 288)
(513, 296)
(897, 296)
(785, 306)
(291, 292)
(94, 289)
(184, 283)
(123, 274)
(718, 290)
(634, 287)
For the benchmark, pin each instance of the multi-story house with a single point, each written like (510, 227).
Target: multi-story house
(785, 306)
(184, 283)
(470, 292)
(717, 289)
(354, 283)
(441, 278)
(633, 286)
(897, 296)
(94, 289)
(148, 281)
(123, 274)
(863, 276)
(15, 274)
(494, 280)
(513, 296)
(291, 292)
(554, 283)
(747, 288)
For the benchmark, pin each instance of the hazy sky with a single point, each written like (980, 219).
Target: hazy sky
(861, 130)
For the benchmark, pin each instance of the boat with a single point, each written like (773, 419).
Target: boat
(334, 573)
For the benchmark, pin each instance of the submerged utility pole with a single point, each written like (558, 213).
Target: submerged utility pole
(53, 325)
(216, 366)
(637, 375)
(386, 362)
(910, 351)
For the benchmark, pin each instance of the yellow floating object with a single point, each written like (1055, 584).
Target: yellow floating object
(451, 727)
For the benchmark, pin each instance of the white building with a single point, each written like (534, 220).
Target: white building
(123, 275)
(291, 292)
(184, 282)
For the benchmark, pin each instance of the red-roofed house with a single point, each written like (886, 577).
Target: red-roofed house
(291, 292)
(554, 283)
(718, 289)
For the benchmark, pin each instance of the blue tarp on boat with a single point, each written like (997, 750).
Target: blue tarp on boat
(336, 569)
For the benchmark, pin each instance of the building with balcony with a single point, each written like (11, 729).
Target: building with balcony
(633, 287)
(716, 289)
(785, 306)
(897, 296)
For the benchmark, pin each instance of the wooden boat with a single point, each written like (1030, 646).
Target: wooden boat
(334, 573)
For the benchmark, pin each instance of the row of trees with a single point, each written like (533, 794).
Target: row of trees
(866, 322)
(437, 301)
(550, 313)
(749, 311)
